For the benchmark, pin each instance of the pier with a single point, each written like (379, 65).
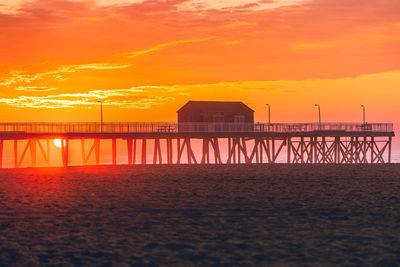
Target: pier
(200, 143)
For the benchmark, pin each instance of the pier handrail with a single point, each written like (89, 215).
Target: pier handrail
(172, 127)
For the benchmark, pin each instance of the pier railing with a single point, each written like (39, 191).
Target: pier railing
(167, 127)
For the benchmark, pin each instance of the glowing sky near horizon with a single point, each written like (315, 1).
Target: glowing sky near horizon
(145, 59)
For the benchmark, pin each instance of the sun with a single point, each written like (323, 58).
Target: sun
(57, 142)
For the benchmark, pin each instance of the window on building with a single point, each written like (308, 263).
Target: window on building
(238, 118)
(218, 118)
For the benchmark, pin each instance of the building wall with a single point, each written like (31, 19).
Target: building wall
(191, 114)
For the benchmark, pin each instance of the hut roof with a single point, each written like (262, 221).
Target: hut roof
(216, 106)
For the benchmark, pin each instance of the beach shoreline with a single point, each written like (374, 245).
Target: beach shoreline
(277, 214)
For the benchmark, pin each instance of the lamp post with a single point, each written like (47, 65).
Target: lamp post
(101, 115)
(363, 107)
(319, 115)
(269, 115)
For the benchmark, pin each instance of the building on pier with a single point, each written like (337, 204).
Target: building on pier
(207, 116)
(215, 112)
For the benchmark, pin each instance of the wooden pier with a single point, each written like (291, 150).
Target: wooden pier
(220, 143)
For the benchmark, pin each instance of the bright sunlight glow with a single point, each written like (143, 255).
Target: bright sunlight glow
(57, 142)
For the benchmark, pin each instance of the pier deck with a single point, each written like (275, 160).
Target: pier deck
(220, 143)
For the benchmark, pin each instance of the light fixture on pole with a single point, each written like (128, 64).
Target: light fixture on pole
(319, 115)
(101, 115)
(269, 115)
(363, 107)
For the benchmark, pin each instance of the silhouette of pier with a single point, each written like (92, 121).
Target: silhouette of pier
(220, 143)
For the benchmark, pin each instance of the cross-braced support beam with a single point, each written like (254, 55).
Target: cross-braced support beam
(95, 148)
(189, 152)
(299, 149)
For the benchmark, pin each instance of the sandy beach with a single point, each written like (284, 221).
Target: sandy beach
(201, 215)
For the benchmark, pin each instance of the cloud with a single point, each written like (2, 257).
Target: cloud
(24, 77)
(234, 25)
(231, 42)
(165, 45)
(14, 6)
(35, 88)
(238, 4)
(98, 66)
(142, 97)
(298, 40)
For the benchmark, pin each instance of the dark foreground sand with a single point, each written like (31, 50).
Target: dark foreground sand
(201, 215)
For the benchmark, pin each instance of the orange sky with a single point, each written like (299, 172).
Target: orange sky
(145, 59)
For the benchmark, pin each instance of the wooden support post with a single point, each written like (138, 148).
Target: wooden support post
(256, 151)
(144, 151)
(179, 150)
(268, 145)
(231, 151)
(302, 147)
(353, 150)
(83, 152)
(97, 150)
(234, 149)
(390, 150)
(204, 153)
(217, 154)
(190, 154)
(208, 151)
(65, 151)
(311, 155)
(15, 153)
(157, 151)
(357, 150)
(337, 147)
(129, 144)
(273, 149)
(1, 152)
(316, 158)
(48, 151)
(114, 151)
(289, 148)
(239, 150)
(156, 144)
(372, 143)
(188, 150)
(134, 151)
(169, 151)
(244, 151)
(365, 150)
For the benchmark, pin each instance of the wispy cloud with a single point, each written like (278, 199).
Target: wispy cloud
(35, 88)
(234, 25)
(14, 6)
(142, 97)
(24, 77)
(236, 4)
(165, 45)
(231, 42)
(98, 66)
